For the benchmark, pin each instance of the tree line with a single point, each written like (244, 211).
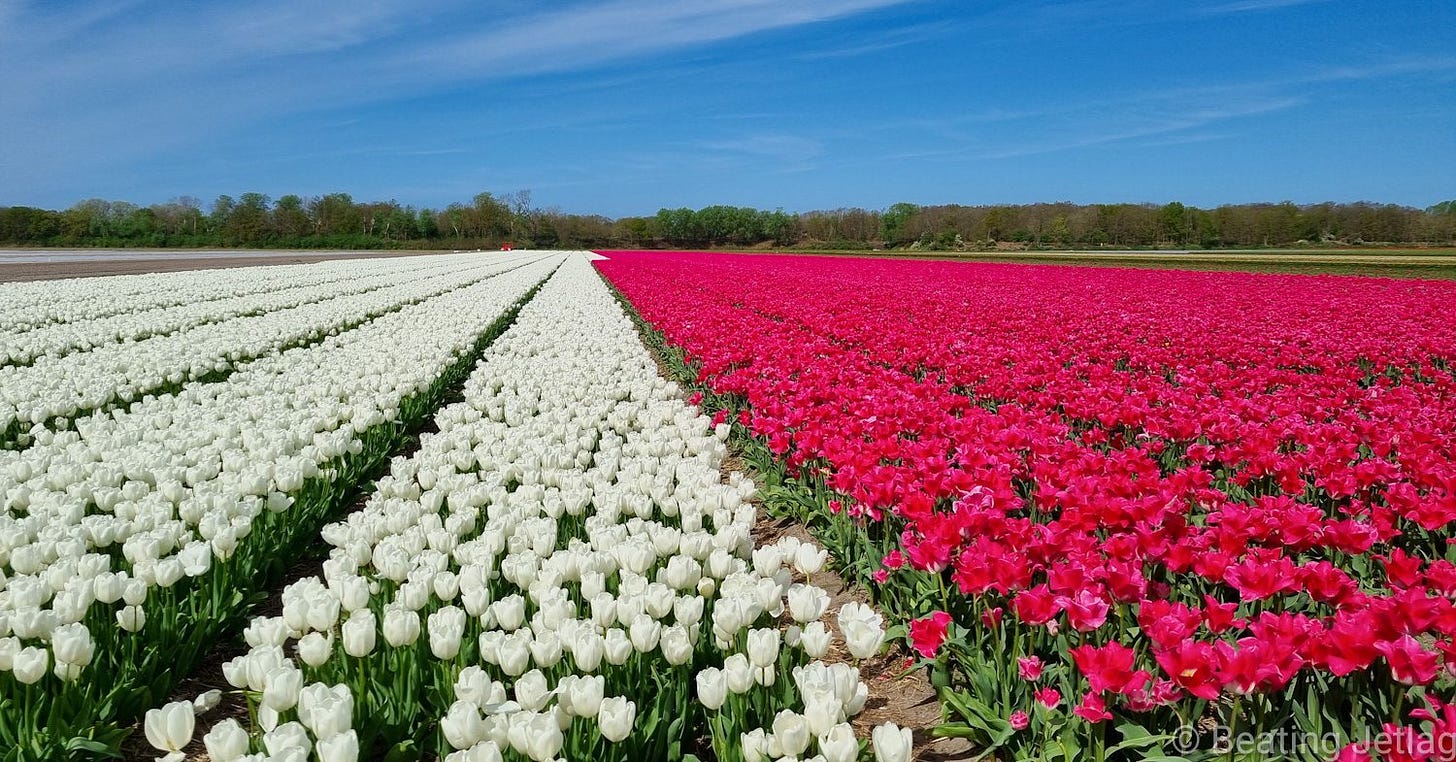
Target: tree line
(337, 221)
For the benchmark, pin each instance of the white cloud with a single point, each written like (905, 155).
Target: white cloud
(102, 84)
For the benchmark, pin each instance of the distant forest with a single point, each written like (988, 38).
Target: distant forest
(337, 221)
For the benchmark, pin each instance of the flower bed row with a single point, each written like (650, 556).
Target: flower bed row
(128, 545)
(1156, 505)
(34, 304)
(231, 293)
(53, 390)
(560, 572)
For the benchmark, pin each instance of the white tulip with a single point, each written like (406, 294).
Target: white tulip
(462, 725)
(281, 688)
(712, 688)
(791, 732)
(401, 627)
(206, 702)
(315, 648)
(287, 737)
(30, 664)
(814, 640)
(807, 603)
(891, 743)
(359, 633)
(615, 718)
(676, 645)
(839, 744)
(515, 655)
(738, 673)
(763, 647)
(544, 737)
(754, 745)
(586, 695)
(170, 727)
(588, 652)
(531, 691)
(618, 647)
(446, 627)
(326, 710)
(73, 645)
(131, 618)
(226, 742)
(343, 747)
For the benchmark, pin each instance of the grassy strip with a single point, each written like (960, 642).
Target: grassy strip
(16, 436)
(90, 718)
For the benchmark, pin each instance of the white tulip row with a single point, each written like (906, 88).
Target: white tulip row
(75, 383)
(544, 578)
(28, 305)
(137, 499)
(237, 295)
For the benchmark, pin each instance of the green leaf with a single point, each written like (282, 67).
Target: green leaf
(95, 747)
(955, 730)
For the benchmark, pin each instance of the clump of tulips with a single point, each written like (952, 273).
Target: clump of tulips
(131, 541)
(560, 572)
(55, 388)
(1108, 505)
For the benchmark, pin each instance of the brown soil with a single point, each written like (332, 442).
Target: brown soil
(29, 271)
(895, 695)
(906, 699)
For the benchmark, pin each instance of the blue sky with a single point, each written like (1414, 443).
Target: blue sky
(620, 107)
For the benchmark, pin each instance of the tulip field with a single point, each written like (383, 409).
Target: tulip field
(1121, 514)
(558, 568)
(1108, 514)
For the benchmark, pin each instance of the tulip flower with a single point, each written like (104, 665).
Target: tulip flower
(286, 738)
(712, 688)
(738, 673)
(928, 633)
(615, 718)
(325, 710)
(763, 647)
(227, 741)
(169, 728)
(401, 627)
(838, 744)
(462, 725)
(206, 702)
(282, 688)
(73, 645)
(807, 603)
(131, 618)
(891, 743)
(586, 695)
(315, 648)
(862, 630)
(791, 733)
(343, 747)
(814, 639)
(30, 664)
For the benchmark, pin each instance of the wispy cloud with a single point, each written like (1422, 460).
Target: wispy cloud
(779, 147)
(1248, 6)
(179, 77)
(890, 39)
(1164, 119)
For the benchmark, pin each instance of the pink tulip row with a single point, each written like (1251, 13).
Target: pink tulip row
(1254, 474)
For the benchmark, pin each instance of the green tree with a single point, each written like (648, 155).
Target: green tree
(894, 223)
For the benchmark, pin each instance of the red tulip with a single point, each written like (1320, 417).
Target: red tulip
(928, 633)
